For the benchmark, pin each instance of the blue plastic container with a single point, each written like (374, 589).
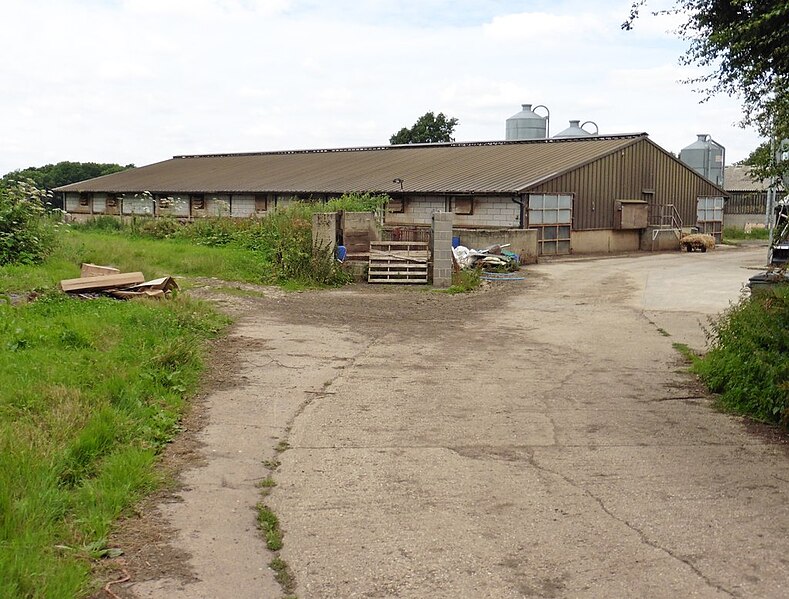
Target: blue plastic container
(455, 242)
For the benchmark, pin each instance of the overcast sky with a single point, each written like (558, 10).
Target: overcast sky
(138, 81)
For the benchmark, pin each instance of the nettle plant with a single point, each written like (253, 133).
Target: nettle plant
(27, 233)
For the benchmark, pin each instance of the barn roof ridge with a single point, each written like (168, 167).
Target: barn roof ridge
(395, 147)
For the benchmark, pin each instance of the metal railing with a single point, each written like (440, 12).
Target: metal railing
(666, 219)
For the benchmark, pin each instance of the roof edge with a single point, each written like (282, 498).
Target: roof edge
(451, 144)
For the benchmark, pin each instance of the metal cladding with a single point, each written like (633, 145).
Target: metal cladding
(574, 130)
(498, 167)
(706, 157)
(526, 125)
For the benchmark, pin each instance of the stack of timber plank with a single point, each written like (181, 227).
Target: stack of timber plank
(398, 262)
(106, 280)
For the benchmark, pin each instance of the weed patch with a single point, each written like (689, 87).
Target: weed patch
(463, 282)
(283, 576)
(268, 523)
(747, 363)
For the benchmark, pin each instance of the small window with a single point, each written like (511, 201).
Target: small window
(261, 203)
(112, 201)
(165, 202)
(464, 206)
(84, 199)
(396, 206)
(198, 202)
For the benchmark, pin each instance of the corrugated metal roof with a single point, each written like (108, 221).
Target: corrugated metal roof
(485, 167)
(738, 178)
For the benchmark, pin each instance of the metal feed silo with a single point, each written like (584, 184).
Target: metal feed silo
(574, 130)
(527, 125)
(705, 156)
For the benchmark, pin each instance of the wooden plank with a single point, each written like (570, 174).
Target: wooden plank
(399, 243)
(404, 273)
(399, 281)
(102, 282)
(95, 270)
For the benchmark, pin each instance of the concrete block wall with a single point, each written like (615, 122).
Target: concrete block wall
(491, 212)
(739, 221)
(488, 212)
(442, 249)
(242, 206)
(137, 205)
(417, 211)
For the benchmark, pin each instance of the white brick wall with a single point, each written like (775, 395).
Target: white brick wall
(137, 205)
(72, 202)
(99, 203)
(418, 211)
(491, 212)
(242, 206)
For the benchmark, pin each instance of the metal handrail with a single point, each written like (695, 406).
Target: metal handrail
(670, 220)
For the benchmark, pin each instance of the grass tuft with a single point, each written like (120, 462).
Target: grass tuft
(283, 576)
(268, 523)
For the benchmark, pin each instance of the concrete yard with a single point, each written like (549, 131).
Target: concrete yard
(541, 439)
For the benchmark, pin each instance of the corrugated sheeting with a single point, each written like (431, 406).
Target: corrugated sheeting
(493, 167)
(641, 171)
(737, 177)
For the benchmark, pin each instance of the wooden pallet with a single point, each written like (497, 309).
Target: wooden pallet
(398, 262)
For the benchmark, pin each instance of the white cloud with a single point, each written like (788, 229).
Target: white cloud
(141, 80)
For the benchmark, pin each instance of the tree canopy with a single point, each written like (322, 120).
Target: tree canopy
(744, 45)
(62, 173)
(429, 128)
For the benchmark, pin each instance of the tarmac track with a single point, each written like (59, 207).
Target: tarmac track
(543, 440)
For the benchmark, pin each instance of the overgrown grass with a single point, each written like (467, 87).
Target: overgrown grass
(155, 257)
(748, 364)
(734, 234)
(89, 393)
(281, 241)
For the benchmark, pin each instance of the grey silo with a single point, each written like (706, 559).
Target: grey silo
(705, 156)
(574, 130)
(526, 125)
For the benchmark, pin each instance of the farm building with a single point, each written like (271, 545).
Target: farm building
(747, 198)
(586, 194)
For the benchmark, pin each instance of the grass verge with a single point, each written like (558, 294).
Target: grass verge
(155, 257)
(747, 364)
(89, 393)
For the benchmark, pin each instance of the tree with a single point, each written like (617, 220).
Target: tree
(745, 47)
(62, 173)
(428, 128)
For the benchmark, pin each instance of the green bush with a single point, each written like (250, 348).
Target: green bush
(748, 362)
(27, 234)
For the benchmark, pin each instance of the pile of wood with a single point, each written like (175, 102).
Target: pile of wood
(98, 280)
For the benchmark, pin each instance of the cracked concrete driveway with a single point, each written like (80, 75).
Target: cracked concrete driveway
(543, 440)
